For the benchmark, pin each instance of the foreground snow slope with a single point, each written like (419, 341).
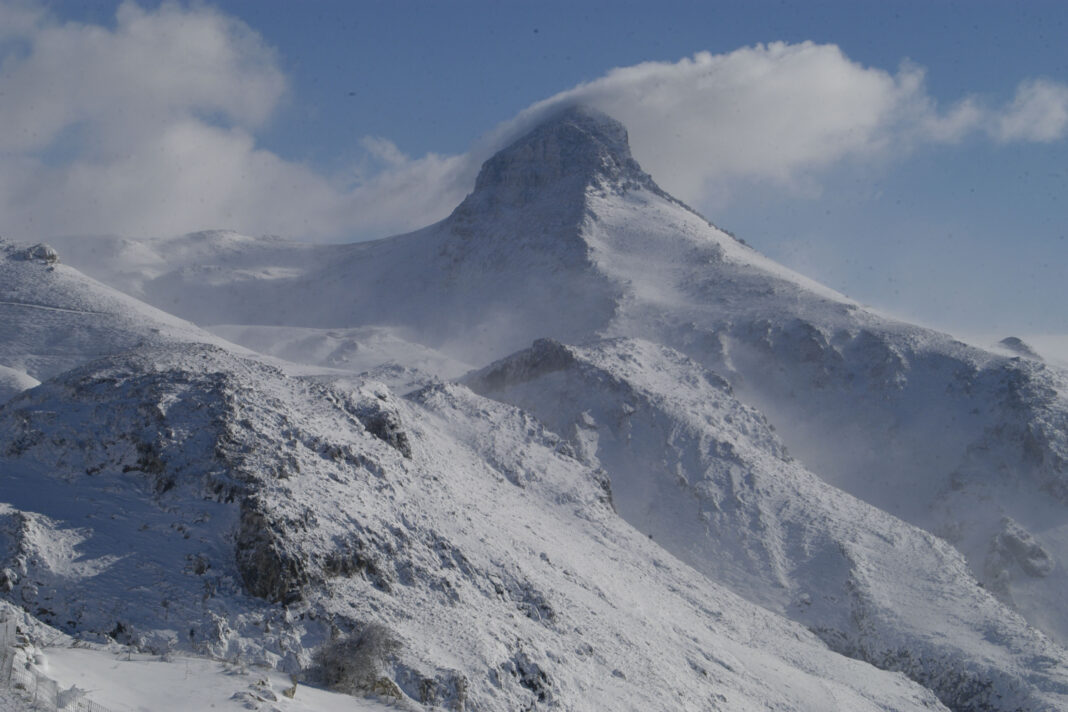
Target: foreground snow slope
(707, 478)
(121, 679)
(565, 237)
(184, 498)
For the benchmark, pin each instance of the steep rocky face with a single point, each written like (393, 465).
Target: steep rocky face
(571, 151)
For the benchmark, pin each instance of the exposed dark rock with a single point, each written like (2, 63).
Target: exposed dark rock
(1019, 347)
(384, 423)
(40, 252)
(270, 566)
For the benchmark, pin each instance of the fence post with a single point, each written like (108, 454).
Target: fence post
(45, 693)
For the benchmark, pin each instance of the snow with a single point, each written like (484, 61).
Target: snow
(13, 382)
(467, 548)
(14, 701)
(53, 318)
(184, 684)
(122, 679)
(708, 480)
(358, 350)
(722, 486)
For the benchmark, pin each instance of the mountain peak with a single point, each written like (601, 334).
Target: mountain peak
(577, 147)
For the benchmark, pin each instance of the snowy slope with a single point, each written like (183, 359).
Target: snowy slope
(53, 317)
(707, 478)
(122, 679)
(13, 382)
(357, 349)
(187, 499)
(950, 437)
(226, 266)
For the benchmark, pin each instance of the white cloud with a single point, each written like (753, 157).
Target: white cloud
(953, 125)
(761, 112)
(393, 191)
(1038, 113)
(192, 175)
(18, 18)
(153, 68)
(149, 127)
(780, 113)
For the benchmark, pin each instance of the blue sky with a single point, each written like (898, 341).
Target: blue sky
(914, 157)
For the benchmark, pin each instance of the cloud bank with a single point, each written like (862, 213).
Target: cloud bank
(782, 112)
(149, 127)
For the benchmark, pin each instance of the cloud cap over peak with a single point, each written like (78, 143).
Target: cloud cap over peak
(768, 112)
(151, 126)
(575, 143)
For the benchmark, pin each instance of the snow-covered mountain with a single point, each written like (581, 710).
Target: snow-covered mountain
(184, 498)
(829, 479)
(565, 237)
(710, 481)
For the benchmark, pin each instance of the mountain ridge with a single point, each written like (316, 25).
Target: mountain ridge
(565, 237)
(260, 516)
(710, 481)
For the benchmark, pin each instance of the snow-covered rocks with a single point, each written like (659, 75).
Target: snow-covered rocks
(1014, 549)
(706, 477)
(574, 149)
(1019, 347)
(45, 254)
(186, 499)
